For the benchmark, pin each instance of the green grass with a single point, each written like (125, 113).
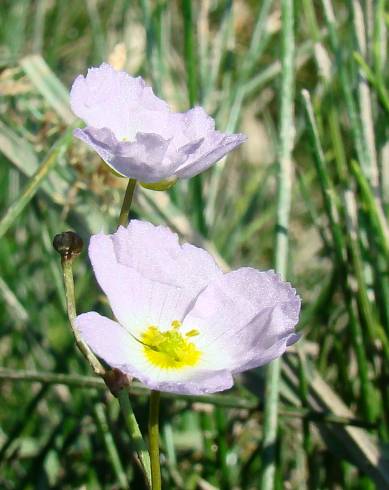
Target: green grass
(316, 118)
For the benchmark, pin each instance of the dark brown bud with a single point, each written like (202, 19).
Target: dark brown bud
(116, 380)
(68, 244)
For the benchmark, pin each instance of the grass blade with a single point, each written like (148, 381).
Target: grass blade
(283, 210)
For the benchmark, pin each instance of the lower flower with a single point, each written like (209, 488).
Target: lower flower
(183, 325)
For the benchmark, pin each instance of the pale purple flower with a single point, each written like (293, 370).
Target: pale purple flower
(137, 134)
(182, 324)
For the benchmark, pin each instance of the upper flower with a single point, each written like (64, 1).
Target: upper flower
(182, 324)
(137, 134)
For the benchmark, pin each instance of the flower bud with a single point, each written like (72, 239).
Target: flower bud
(68, 244)
(116, 380)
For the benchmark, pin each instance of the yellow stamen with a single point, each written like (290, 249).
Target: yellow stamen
(176, 324)
(170, 350)
(192, 333)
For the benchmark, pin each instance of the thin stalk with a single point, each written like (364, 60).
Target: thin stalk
(125, 210)
(36, 180)
(135, 433)
(67, 268)
(154, 440)
(194, 96)
(283, 210)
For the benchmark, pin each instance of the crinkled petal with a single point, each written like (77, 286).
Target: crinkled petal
(192, 125)
(143, 159)
(136, 301)
(215, 147)
(118, 348)
(155, 252)
(111, 99)
(246, 314)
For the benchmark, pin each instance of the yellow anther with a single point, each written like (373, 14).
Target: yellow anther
(169, 349)
(176, 324)
(192, 333)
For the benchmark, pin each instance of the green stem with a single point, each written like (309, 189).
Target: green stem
(71, 310)
(154, 440)
(283, 209)
(123, 217)
(194, 95)
(135, 434)
(132, 425)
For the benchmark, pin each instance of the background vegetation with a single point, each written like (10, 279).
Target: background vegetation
(317, 87)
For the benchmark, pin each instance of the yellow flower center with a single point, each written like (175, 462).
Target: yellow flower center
(170, 349)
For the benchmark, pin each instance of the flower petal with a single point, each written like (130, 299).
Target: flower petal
(194, 124)
(155, 252)
(194, 382)
(107, 98)
(248, 316)
(113, 343)
(136, 301)
(107, 339)
(215, 146)
(149, 142)
(143, 159)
